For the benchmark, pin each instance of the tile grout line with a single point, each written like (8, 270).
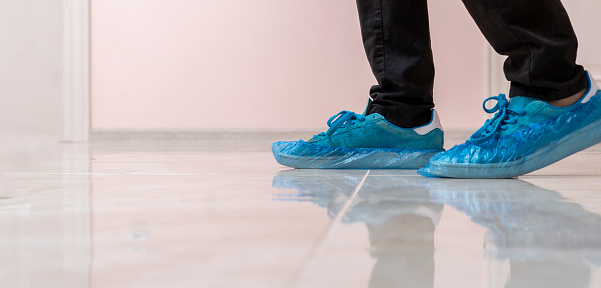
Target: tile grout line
(316, 248)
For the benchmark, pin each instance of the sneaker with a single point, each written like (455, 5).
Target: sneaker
(524, 135)
(356, 141)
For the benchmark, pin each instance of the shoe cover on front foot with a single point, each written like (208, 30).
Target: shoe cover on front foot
(525, 135)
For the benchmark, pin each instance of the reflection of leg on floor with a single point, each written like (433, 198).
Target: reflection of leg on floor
(559, 273)
(404, 249)
(546, 239)
(398, 212)
(537, 230)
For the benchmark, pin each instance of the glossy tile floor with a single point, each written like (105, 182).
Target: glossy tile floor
(221, 213)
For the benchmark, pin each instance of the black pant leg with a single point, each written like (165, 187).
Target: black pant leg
(396, 37)
(539, 40)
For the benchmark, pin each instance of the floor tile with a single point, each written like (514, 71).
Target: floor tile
(220, 212)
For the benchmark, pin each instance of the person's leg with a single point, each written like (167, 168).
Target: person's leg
(538, 38)
(400, 129)
(528, 132)
(396, 38)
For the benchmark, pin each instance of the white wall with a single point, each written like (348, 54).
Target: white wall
(275, 64)
(586, 19)
(30, 66)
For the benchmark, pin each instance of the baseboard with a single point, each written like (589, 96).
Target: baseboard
(200, 134)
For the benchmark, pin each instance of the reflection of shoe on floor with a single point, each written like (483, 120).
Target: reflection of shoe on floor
(384, 197)
(363, 142)
(525, 221)
(525, 135)
(325, 188)
(381, 197)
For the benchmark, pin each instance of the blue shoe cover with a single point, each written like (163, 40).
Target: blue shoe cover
(525, 135)
(300, 154)
(363, 142)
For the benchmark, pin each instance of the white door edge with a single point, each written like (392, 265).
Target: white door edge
(76, 70)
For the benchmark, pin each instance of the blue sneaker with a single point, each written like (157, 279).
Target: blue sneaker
(356, 141)
(525, 135)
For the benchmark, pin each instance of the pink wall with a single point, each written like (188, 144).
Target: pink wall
(258, 63)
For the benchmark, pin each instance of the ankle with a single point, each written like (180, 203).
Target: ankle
(567, 101)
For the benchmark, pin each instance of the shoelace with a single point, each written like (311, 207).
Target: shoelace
(501, 121)
(340, 120)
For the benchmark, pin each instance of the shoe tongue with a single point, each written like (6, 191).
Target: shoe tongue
(520, 102)
(372, 110)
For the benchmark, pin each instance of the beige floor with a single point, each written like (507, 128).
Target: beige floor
(221, 213)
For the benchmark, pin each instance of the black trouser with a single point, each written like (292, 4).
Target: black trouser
(536, 35)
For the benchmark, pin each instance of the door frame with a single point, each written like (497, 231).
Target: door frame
(76, 70)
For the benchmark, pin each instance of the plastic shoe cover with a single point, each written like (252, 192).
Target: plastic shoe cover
(300, 154)
(363, 142)
(525, 135)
